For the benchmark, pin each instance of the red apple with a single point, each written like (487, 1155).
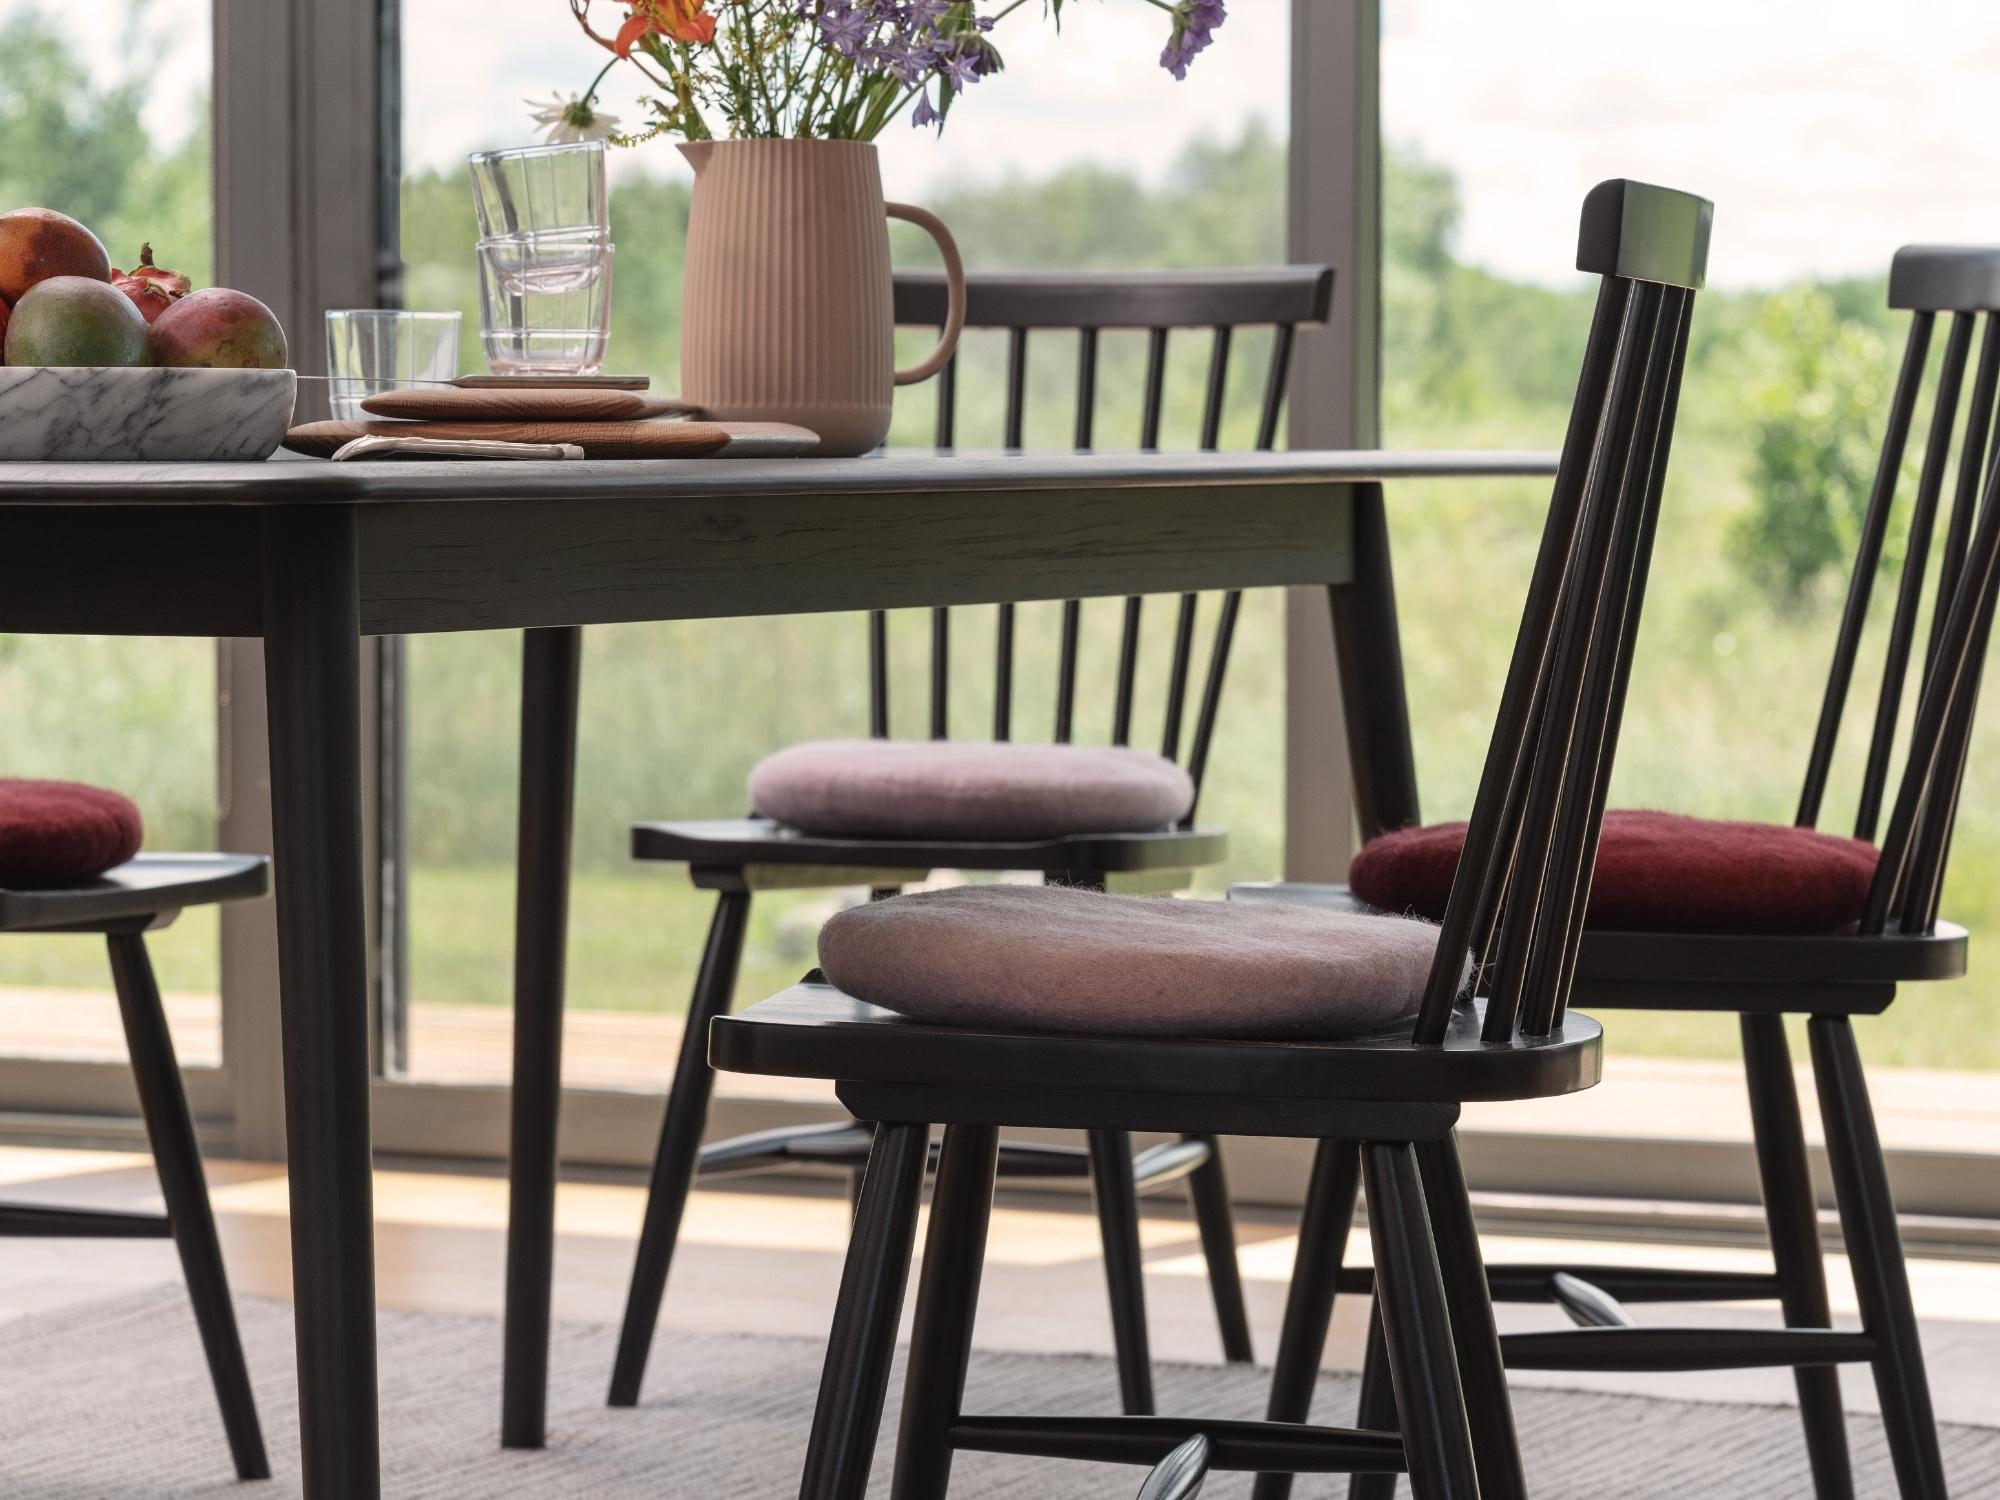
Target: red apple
(37, 243)
(219, 329)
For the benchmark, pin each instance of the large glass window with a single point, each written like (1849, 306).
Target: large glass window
(1826, 139)
(1083, 154)
(104, 117)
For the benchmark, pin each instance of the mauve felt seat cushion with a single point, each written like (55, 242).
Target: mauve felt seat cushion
(1055, 958)
(967, 789)
(1657, 872)
(57, 833)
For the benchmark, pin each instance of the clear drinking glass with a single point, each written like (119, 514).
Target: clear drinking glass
(545, 302)
(370, 350)
(534, 188)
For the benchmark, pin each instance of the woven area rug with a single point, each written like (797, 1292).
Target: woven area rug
(112, 1399)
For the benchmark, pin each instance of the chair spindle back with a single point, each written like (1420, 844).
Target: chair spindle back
(1523, 880)
(1961, 284)
(1086, 305)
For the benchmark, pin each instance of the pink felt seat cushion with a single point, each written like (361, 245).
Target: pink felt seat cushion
(967, 789)
(1657, 872)
(1055, 958)
(57, 833)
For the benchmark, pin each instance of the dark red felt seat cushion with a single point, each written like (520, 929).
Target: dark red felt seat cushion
(1657, 872)
(56, 833)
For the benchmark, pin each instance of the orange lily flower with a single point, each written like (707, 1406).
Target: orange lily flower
(683, 20)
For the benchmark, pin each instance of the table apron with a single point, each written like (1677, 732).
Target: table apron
(496, 565)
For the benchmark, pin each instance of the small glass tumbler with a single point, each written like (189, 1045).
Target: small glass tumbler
(534, 188)
(545, 302)
(370, 350)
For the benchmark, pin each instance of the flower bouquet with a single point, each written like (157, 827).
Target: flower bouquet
(786, 306)
(834, 70)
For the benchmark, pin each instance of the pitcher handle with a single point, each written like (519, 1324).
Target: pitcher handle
(954, 271)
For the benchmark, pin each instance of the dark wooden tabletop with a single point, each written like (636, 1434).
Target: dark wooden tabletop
(290, 481)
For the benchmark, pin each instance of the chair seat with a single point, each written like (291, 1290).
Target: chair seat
(55, 833)
(968, 789)
(1657, 872)
(149, 885)
(1051, 958)
(1835, 972)
(814, 1030)
(736, 842)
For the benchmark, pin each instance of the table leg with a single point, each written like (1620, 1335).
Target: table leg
(1369, 646)
(551, 666)
(312, 644)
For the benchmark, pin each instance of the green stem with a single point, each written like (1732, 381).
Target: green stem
(590, 94)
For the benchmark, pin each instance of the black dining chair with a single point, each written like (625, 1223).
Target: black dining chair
(886, 813)
(1181, 1474)
(1792, 922)
(1016, 1006)
(124, 903)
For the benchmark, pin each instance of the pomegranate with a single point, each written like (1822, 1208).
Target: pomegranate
(153, 289)
(3, 325)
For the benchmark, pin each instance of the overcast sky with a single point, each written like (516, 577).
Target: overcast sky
(1826, 132)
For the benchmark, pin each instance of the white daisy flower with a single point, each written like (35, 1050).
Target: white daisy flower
(563, 120)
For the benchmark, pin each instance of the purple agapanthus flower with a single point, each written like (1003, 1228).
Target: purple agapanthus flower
(925, 113)
(1195, 23)
(961, 68)
(846, 28)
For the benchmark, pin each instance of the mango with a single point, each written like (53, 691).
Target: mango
(78, 322)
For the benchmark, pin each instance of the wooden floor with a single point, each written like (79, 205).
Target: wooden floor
(768, 1259)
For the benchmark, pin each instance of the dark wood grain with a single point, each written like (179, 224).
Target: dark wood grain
(463, 546)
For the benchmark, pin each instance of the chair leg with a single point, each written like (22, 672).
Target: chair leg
(1117, 1197)
(855, 1380)
(1881, 1280)
(680, 1144)
(1336, 1178)
(1793, 1218)
(1489, 1409)
(947, 1299)
(1208, 1195)
(177, 1158)
(1416, 1328)
(1375, 1411)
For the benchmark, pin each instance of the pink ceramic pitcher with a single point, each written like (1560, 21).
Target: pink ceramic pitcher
(786, 307)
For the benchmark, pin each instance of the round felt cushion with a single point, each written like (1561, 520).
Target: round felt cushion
(1657, 872)
(57, 833)
(967, 789)
(1055, 958)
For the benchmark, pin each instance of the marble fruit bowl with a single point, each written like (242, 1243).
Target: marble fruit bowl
(145, 416)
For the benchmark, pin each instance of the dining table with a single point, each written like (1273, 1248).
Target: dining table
(313, 556)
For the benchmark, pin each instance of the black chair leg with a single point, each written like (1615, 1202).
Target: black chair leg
(177, 1158)
(1793, 1217)
(1208, 1195)
(1875, 1249)
(947, 1299)
(1488, 1407)
(1336, 1179)
(855, 1380)
(680, 1145)
(1117, 1197)
(1375, 1411)
(1416, 1328)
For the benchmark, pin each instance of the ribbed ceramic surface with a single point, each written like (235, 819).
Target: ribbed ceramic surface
(786, 313)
